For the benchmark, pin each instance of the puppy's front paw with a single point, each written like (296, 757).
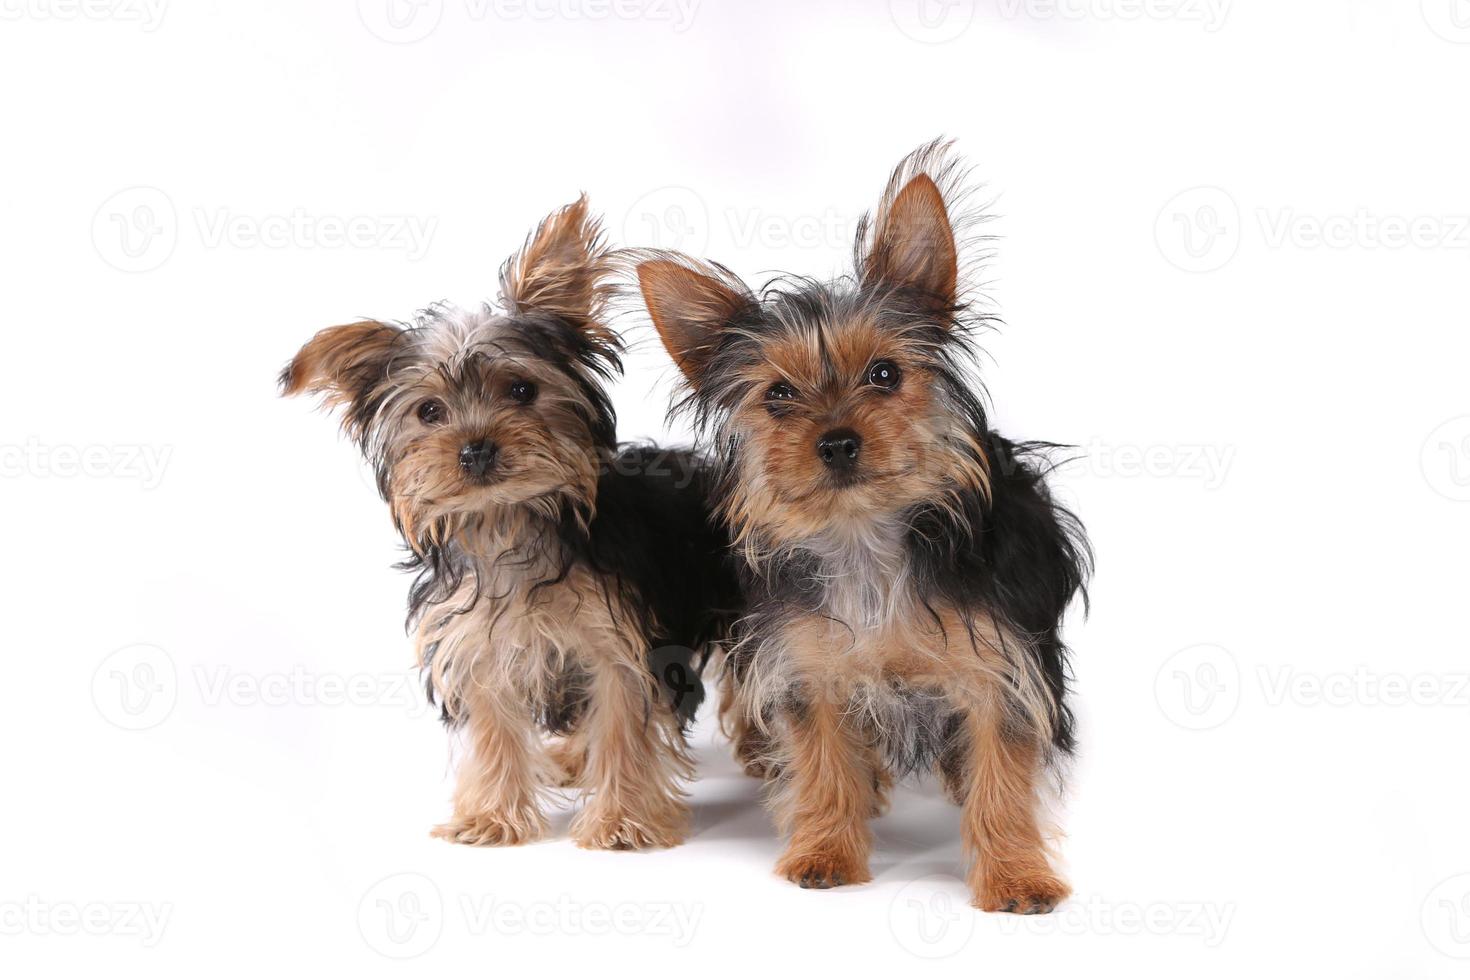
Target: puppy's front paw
(607, 829)
(882, 785)
(753, 752)
(1029, 894)
(569, 762)
(823, 870)
(759, 769)
(492, 830)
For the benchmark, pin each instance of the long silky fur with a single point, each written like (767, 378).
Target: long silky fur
(635, 521)
(994, 544)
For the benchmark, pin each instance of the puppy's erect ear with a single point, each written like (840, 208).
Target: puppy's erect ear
(343, 363)
(910, 243)
(560, 270)
(690, 307)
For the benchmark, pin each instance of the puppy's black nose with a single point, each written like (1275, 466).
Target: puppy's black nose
(839, 448)
(476, 458)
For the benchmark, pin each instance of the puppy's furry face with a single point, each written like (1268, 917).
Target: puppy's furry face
(844, 404)
(469, 416)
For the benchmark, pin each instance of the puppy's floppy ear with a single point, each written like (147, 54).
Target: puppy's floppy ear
(343, 363)
(912, 244)
(690, 305)
(561, 269)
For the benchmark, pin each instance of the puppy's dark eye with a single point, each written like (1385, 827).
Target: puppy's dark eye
(885, 375)
(780, 392)
(431, 411)
(523, 391)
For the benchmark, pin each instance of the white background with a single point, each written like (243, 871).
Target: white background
(1206, 284)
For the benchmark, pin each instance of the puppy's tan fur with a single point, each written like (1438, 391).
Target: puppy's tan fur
(850, 651)
(507, 624)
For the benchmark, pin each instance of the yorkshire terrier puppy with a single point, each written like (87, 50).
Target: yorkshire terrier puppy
(906, 568)
(556, 574)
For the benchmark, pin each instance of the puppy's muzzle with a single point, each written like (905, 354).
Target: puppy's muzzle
(839, 450)
(476, 458)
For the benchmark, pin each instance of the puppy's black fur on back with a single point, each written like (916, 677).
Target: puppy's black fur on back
(1020, 555)
(653, 533)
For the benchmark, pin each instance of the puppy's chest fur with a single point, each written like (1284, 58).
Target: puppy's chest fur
(516, 631)
(843, 606)
(847, 625)
(846, 609)
(860, 577)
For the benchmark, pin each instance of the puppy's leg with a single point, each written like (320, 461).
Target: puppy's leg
(635, 761)
(497, 798)
(829, 791)
(1011, 871)
(753, 748)
(882, 780)
(568, 754)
